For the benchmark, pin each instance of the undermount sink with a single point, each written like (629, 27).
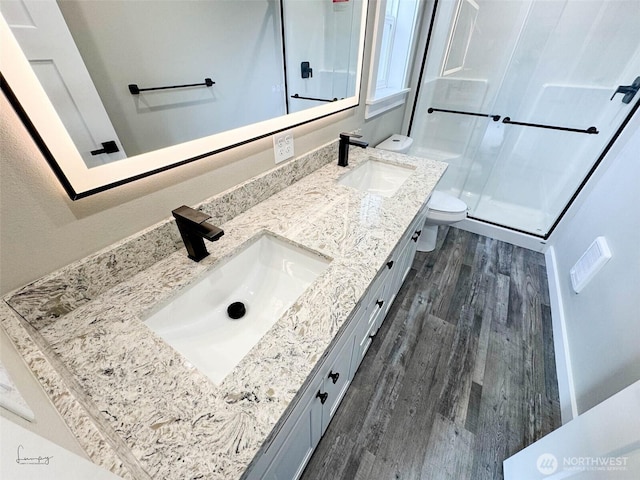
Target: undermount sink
(267, 277)
(377, 177)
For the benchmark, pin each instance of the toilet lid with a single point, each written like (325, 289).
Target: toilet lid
(396, 143)
(444, 202)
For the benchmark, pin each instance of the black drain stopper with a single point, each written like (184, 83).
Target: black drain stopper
(236, 310)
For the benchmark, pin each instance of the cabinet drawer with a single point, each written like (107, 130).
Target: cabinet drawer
(369, 326)
(362, 345)
(378, 304)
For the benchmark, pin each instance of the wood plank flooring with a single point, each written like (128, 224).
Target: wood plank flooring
(460, 376)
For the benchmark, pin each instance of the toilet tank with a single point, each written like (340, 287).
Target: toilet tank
(396, 143)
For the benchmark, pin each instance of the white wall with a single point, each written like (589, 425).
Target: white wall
(236, 44)
(602, 322)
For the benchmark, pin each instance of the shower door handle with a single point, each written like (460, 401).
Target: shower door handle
(629, 91)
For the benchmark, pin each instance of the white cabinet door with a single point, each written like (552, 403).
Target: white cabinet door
(402, 257)
(300, 442)
(337, 380)
(404, 262)
(409, 249)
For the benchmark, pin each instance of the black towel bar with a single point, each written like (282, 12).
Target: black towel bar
(495, 118)
(135, 90)
(590, 130)
(508, 121)
(295, 95)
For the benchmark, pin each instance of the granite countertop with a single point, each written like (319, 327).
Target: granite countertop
(148, 412)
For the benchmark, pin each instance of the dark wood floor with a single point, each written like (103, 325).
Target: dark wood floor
(460, 376)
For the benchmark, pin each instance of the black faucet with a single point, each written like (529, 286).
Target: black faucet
(346, 139)
(193, 229)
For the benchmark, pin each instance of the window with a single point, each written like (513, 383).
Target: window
(393, 44)
(460, 37)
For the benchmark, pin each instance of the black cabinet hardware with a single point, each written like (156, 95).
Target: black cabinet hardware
(333, 376)
(380, 303)
(322, 396)
(415, 237)
(390, 264)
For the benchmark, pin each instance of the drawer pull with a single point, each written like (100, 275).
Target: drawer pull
(322, 396)
(415, 237)
(390, 264)
(418, 232)
(334, 376)
(380, 303)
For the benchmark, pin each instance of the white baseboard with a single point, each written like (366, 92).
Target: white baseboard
(503, 234)
(566, 389)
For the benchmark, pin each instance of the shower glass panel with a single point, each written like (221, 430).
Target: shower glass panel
(544, 63)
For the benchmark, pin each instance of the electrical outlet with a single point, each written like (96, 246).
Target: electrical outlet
(283, 145)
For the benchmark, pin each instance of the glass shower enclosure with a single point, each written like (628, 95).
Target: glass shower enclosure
(519, 97)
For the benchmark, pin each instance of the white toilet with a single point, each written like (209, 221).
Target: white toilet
(443, 209)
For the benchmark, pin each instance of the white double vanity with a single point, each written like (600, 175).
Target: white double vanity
(123, 345)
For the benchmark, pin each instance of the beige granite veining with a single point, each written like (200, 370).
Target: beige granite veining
(159, 414)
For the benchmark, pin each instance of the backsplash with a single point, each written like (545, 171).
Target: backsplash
(53, 296)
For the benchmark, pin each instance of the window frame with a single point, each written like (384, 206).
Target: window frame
(391, 91)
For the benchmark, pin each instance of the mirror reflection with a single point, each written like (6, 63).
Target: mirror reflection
(108, 66)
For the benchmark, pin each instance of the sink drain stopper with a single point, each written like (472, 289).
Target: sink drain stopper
(236, 310)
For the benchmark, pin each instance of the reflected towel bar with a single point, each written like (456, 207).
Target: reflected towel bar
(295, 95)
(135, 90)
(590, 130)
(495, 118)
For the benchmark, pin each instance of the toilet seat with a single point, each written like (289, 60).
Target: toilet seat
(444, 203)
(435, 217)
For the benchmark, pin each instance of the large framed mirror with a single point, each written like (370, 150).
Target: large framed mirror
(116, 90)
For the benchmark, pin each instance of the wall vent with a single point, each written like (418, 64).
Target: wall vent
(590, 263)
